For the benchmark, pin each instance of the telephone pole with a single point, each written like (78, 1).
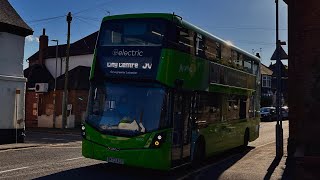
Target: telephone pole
(65, 94)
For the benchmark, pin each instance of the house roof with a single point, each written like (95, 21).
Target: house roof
(78, 79)
(38, 74)
(11, 22)
(265, 70)
(284, 69)
(83, 46)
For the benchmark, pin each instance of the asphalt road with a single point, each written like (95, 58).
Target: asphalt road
(60, 158)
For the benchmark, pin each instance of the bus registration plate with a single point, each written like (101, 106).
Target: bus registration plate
(115, 160)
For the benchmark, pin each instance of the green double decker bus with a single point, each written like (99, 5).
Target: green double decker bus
(165, 93)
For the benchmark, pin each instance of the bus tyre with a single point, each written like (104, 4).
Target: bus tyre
(198, 154)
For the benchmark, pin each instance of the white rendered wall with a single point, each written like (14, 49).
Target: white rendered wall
(74, 61)
(12, 104)
(11, 54)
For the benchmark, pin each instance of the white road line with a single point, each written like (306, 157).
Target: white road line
(10, 170)
(62, 147)
(73, 159)
(54, 139)
(26, 167)
(56, 134)
(45, 146)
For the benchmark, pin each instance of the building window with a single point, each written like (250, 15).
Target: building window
(266, 81)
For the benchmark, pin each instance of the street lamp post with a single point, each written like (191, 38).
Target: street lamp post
(279, 130)
(55, 85)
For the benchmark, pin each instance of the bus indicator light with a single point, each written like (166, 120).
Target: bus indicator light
(156, 143)
(159, 137)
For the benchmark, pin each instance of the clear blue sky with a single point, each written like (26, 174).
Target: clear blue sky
(249, 24)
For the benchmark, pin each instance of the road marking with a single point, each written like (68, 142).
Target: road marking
(62, 147)
(56, 134)
(44, 146)
(10, 170)
(54, 139)
(73, 159)
(26, 167)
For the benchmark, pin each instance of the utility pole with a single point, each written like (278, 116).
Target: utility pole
(279, 130)
(55, 86)
(65, 94)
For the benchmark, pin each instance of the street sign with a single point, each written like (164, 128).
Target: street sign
(283, 54)
(69, 107)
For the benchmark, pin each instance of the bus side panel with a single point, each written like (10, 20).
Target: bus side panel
(87, 148)
(178, 65)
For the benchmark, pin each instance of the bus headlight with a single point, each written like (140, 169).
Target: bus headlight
(83, 130)
(158, 140)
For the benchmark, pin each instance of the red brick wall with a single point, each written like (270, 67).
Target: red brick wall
(78, 99)
(304, 81)
(31, 119)
(78, 105)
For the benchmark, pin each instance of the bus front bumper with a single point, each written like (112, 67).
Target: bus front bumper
(159, 158)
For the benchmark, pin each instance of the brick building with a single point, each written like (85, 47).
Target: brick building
(304, 87)
(42, 71)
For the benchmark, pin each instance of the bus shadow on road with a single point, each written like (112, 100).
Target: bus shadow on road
(212, 168)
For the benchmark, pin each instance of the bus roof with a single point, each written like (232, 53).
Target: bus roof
(176, 18)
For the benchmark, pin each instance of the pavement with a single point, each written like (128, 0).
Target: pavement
(253, 163)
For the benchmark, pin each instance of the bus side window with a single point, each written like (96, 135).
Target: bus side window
(251, 107)
(243, 108)
(186, 40)
(200, 48)
(214, 105)
(226, 54)
(212, 49)
(247, 64)
(233, 108)
(255, 68)
(236, 58)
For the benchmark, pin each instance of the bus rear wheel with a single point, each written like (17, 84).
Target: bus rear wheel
(199, 153)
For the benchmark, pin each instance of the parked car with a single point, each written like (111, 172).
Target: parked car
(268, 113)
(285, 112)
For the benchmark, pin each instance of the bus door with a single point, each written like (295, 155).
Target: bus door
(181, 142)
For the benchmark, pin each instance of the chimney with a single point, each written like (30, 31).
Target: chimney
(43, 45)
(258, 55)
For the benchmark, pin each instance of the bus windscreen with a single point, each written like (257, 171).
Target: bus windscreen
(132, 32)
(126, 110)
